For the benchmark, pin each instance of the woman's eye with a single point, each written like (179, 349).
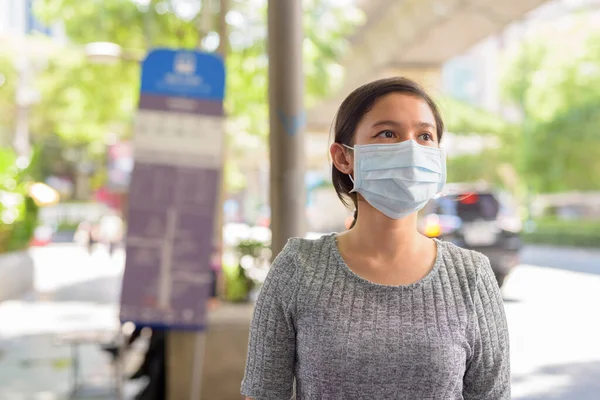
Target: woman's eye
(386, 134)
(426, 136)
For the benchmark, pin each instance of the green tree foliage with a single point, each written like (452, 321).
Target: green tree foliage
(18, 211)
(490, 164)
(82, 102)
(555, 80)
(475, 167)
(463, 118)
(8, 86)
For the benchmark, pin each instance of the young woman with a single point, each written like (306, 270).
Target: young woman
(380, 311)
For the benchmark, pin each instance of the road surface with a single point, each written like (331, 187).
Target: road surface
(552, 302)
(553, 309)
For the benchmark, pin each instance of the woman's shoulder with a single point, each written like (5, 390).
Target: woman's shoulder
(307, 252)
(297, 260)
(300, 255)
(467, 265)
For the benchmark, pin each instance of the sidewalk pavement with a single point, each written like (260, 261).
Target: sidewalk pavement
(79, 293)
(75, 294)
(35, 365)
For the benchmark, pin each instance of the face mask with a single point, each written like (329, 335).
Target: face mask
(398, 179)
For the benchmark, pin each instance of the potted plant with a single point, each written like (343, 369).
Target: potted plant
(251, 254)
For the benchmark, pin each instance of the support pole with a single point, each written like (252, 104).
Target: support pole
(287, 117)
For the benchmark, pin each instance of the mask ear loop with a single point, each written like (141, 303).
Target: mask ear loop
(350, 148)
(352, 180)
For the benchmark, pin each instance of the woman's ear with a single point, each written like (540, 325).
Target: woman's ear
(343, 158)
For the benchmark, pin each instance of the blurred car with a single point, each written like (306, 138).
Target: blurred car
(480, 218)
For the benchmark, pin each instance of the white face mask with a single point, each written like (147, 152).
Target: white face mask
(398, 179)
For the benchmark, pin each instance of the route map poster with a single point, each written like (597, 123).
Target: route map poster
(178, 153)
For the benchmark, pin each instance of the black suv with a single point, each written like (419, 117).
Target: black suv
(480, 218)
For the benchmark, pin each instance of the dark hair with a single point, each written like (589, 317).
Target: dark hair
(351, 112)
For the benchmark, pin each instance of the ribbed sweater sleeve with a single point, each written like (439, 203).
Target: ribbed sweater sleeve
(487, 376)
(272, 344)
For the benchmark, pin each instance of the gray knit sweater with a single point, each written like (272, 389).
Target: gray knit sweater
(339, 336)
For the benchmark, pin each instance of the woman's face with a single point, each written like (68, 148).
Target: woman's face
(395, 118)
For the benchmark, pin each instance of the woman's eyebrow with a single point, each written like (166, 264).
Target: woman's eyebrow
(421, 124)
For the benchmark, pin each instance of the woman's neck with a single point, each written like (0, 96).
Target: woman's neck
(375, 233)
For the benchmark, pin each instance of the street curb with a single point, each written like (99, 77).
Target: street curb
(16, 275)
